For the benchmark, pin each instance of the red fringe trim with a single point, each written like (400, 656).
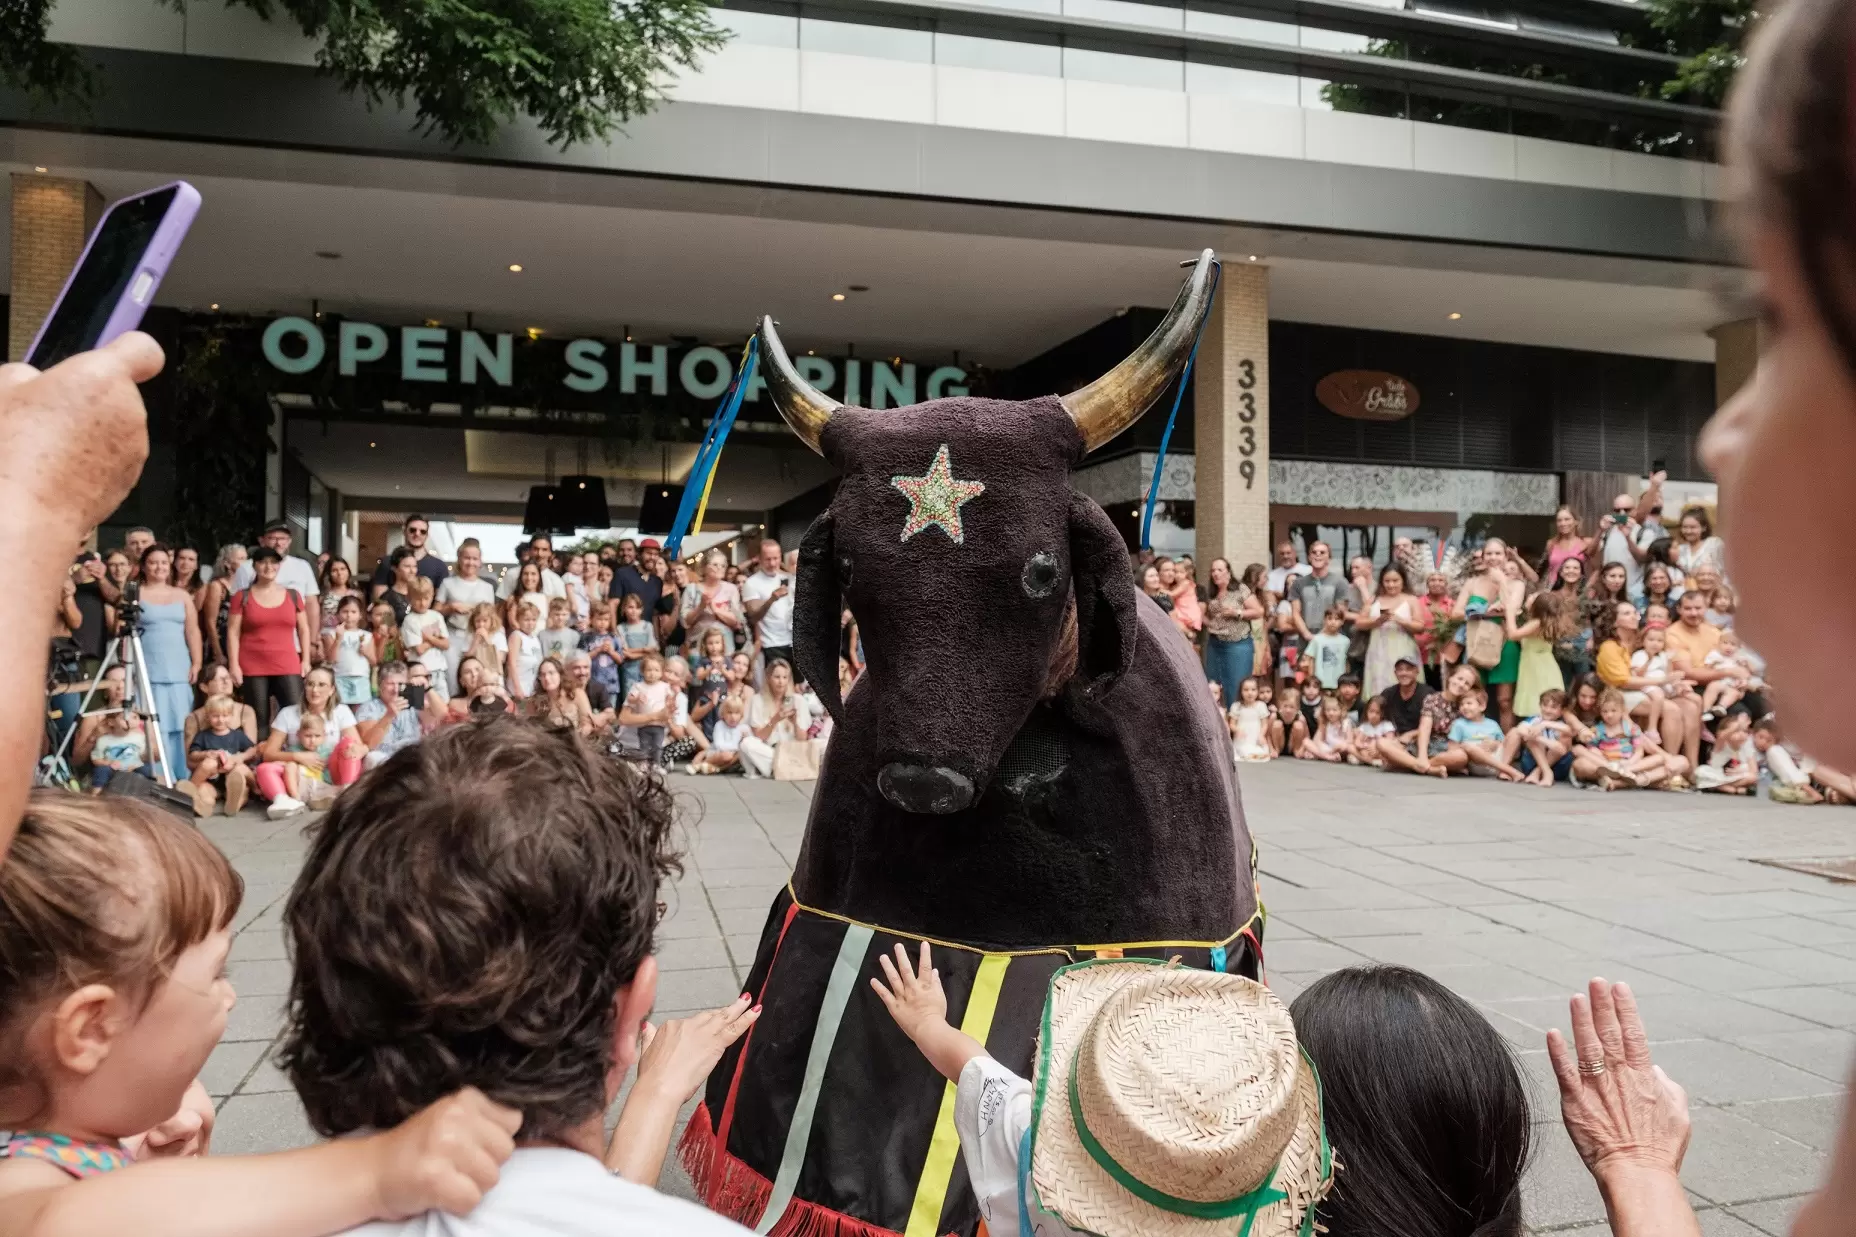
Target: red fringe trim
(737, 1191)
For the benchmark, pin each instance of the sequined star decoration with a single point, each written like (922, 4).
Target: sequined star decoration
(935, 498)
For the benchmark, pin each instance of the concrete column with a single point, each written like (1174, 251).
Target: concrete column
(52, 217)
(1736, 356)
(1231, 380)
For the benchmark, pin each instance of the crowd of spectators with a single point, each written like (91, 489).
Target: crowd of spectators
(326, 671)
(1605, 660)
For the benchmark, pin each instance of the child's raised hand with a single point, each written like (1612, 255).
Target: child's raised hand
(913, 996)
(446, 1156)
(678, 1055)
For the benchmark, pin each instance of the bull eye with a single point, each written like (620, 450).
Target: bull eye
(1040, 575)
(844, 570)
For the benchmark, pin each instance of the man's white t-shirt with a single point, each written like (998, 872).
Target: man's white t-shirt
(458, 590)
(293, 572)
(554, 1192)
(551, 585)
(776, 625)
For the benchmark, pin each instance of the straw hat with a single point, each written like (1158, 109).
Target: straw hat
(1174, 1103)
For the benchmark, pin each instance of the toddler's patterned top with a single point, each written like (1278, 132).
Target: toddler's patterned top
(80, 1159)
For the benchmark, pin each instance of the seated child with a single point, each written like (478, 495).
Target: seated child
(220, 761)
(1543, 743)
(517, 959)
(121, 747)
(724, 751)
(1309, 699)
(1733, 768)
(1349, 693)
(683, 739)
(1479, 737)
(1248, 722)
(118, 919)
(1618, 754)
(1724, 693)
(1333, 738)
(307, 777)
(1790, 782)
(1289, 728)
(1651, 663)
(1227, 1101)
(1372, 728)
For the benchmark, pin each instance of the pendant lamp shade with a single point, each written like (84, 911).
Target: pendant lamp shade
(583, 500)
(658, 512)
(544, 511)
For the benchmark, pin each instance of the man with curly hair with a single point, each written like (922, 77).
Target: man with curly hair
(479, 910)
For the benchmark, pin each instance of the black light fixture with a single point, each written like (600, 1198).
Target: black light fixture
(658, 511)
(542, 513)
(583, 501)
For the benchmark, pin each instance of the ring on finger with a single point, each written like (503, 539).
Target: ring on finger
(1592, 1069)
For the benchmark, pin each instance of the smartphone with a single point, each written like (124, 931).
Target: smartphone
(415, 695)
(1657, 466)
(115, 279)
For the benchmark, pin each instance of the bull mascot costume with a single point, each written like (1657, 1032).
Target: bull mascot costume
(1029, 773)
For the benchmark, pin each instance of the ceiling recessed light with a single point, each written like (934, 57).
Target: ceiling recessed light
(1253, 257)
(328, 254)
(373, 444)
(215, 305)
(40, 169)
(837, 296)
(1454, 317)
(534, 332)
(515, 268)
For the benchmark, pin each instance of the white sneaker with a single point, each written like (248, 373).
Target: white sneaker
(282, 806)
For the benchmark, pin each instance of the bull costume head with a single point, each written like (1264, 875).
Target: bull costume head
(1025, 715)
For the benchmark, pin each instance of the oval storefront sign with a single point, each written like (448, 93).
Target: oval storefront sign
(1367, 395)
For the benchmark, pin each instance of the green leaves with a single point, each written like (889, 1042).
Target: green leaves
(49, 72)
(1709, 35)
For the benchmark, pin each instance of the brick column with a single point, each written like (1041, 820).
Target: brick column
(52, 217)
(1231, 449)
(1736, 356)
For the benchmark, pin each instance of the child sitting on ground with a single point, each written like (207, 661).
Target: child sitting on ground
(1248, 722)
(1543, 743)
(1479, 737)
(1289, 728)
(1309, 699)
(1198, 1072)
(121, 747)
(1624, 755)
(516, 958)
(1333, 738)
(724, 751)
(220, 761)
(1372, 728)
(1791, 783)
(113, 993)
(1733, 768)
(1349, 693)
(306, 774)
(683, 738)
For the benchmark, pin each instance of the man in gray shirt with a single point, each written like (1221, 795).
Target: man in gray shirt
(1310, 595)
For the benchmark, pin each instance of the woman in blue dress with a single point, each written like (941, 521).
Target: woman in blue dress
(171, 643)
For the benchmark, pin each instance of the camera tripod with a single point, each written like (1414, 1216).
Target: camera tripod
(125, 651)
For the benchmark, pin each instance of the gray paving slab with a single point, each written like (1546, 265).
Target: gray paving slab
(1746, 974)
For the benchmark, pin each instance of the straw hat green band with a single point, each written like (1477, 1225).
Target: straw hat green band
(1246, 1204)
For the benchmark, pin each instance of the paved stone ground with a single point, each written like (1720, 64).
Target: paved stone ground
(1514, 897)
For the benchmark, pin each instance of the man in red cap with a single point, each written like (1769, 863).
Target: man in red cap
(645, 577)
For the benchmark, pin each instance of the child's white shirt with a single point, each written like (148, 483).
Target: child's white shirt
(1373, 730)
(992, 1115)
(1644, 666)
(349, 661)
(728, 738)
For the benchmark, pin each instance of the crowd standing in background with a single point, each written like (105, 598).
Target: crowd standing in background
(328, 670)
(1605, 660)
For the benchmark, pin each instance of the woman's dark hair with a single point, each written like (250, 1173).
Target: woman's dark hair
(334, 559)
(400, 554)
(1789, 130)
(467, 915)
(1424, 1103)
(1588, 679)
(163, 548)
(266, 554)
(1700, 516)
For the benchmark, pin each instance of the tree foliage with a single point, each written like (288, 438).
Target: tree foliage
(1708, 35)
(467, 67)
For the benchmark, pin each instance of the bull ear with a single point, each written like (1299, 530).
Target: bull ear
(1106, 623)
(818, 603)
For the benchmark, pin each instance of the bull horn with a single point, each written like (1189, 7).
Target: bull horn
(1117, 399)
(804, 406)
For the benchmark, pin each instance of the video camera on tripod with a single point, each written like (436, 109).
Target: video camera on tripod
(125, 650)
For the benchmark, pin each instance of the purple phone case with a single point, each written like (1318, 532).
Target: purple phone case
(135, 300)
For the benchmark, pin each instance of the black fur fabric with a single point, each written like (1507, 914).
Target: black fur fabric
(1139, 835)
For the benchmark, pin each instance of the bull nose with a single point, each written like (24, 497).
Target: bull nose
(928, 789)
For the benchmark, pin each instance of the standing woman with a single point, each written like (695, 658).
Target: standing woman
(1257, 580)
(268, 639)
(459, 596)
(187, 572)
(1394, 620)
(171, 644)
(1697, 548)
(1187, 615)
(1230, 609)
(713, 602)
(1568, 544)
(337, 581)
(215, 600)
(118, 569)
(1488, 594)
